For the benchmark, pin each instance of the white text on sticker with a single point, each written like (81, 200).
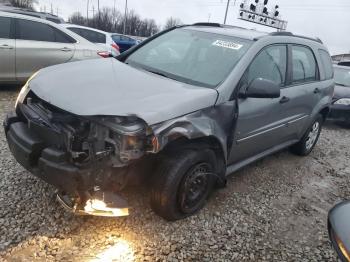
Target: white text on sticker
(226, 44)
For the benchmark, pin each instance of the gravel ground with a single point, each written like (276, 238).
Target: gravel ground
(274, 210)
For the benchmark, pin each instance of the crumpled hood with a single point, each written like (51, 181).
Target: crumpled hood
(341, 92)
(109, 87)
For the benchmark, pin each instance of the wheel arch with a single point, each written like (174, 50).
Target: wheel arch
(324, 112)
(200, 143)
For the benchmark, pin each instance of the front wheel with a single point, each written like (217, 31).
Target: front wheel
(310, 138)
(183, 183)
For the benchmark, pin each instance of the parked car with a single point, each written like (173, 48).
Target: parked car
(28, 44)
(124, 42)
(178, 120)
(339, 229)
(340, 109)
(96, 36)
(344, 63)
(42, 15)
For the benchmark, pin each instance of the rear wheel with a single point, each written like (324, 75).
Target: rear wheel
(183, 183)
(309, 140)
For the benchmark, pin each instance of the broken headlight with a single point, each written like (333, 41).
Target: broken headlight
(130, 135)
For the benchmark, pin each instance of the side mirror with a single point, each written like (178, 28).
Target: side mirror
(339, 229)
(261, 88)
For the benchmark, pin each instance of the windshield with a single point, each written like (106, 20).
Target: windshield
(190, 56)
(342, 76)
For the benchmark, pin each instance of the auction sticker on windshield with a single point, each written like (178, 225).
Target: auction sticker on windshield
(226, 44)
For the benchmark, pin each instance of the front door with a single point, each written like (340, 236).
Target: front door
(260, 122)
(7, 50)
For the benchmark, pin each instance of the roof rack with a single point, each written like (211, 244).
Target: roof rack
(208, 24)
(293, 35)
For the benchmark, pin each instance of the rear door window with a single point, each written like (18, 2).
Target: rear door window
(304, 65)
(75, 30)
(327, 64)
(5, 27)
(92, 36)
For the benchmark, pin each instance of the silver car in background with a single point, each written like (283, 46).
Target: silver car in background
(28, 44)
(96, 36)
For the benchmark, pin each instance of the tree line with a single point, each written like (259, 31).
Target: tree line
(111, 20)
(28, 4)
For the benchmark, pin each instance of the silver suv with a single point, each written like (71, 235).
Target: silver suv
(28, 44)
(178, 113)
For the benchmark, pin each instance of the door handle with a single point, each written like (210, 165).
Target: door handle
(317, 91)
(66, 49)
(6, 47)
(284, 100)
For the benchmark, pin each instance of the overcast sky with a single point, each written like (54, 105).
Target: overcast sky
(327, 19)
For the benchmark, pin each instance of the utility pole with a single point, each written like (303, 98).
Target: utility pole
(87, 10)
(125, 16)
(228, 5)
(51, 9)
(99, 14)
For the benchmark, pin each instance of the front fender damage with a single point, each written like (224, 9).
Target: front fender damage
(216, 123)
(89, 159)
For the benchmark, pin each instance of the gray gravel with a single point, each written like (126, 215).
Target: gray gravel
(274, 210)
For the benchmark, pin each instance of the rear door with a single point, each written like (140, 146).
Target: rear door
(7, 50)
(301, 94)
(40, 45)
(261, 123)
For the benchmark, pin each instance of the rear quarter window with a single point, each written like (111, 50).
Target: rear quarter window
(327, 64)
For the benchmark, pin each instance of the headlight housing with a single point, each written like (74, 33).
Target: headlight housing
(132, 136)
(339, 246)
(24, 91)
(343, 101)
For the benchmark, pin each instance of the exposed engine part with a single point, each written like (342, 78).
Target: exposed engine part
(119, 140)
(99, 203)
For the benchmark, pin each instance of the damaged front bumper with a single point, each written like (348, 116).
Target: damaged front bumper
(87, 166)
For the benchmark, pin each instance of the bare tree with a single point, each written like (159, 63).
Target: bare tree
(29, 4)
(113, 21)
(77, 18)
(171, 22)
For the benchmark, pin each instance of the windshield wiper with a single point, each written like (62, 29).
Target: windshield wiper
(158, 73)
(338, 84)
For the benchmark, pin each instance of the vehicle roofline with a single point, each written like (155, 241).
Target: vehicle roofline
(65, 25)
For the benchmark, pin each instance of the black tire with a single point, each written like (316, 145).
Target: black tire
(176, 176)
(305, 146)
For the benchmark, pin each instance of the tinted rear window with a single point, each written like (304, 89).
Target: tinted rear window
(304, 65)
(92, 36)
(327, 64)
(35, 31)
(5, 27)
